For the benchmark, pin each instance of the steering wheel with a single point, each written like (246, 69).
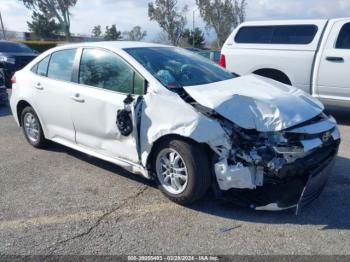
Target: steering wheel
(189, 72)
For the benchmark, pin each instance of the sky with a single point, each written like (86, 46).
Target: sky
(128, 13)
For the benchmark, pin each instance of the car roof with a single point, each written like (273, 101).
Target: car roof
(284, 22)
(112, 45)
(8, 42)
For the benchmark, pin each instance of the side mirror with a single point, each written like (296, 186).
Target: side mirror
(128, 100)
(124, 120)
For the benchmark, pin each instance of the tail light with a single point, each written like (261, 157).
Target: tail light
(13, 80)
(222, 61)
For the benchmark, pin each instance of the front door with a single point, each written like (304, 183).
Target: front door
(104, 82)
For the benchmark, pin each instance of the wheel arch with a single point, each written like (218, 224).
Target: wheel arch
(208, 151)
(19, 108)
(274, 74)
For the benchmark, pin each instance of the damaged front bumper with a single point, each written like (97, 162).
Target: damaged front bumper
(298, 180)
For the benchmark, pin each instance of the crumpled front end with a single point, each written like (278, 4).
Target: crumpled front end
(278, 170)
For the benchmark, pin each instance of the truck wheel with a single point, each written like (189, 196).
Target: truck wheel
(182, 171)
(32, 128)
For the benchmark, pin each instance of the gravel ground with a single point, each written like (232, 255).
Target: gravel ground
(59, 201)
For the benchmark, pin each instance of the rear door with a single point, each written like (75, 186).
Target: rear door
(104, 82)
(333, 78)
(53, 88)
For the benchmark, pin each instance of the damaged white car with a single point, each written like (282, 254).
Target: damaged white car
(180, 119)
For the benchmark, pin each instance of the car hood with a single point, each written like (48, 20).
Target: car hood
(255, 102)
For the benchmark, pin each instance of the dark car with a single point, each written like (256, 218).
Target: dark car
(3, 91)
(13, 57)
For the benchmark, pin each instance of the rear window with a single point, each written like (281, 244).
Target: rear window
(282, 34)
(41, 68)
(61, 65)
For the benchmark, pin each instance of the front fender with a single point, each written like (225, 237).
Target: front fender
(167, 114)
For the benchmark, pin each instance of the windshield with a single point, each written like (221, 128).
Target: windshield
(6, 47)
(175, 67)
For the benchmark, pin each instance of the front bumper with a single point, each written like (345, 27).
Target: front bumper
(295, 191)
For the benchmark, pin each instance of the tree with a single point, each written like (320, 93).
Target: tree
(161, 38)
(136, 34)
(222, 15)
(112, 33)
(60, 9)
(42, 25)
(166, 14)
(195, 38)
(97, 31)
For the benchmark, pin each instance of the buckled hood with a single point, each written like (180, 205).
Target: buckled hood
(259, 103)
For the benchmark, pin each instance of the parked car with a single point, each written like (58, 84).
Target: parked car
(176, 117)
(13, 57)
(209, 54)
(313, 55)
(212, 55)
(3, 91)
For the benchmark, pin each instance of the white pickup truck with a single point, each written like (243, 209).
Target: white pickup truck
(313, 55)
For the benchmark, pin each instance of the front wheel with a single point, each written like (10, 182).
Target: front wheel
(182, 170)
(32, 128)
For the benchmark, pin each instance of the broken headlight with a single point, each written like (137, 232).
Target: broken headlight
(270, 150)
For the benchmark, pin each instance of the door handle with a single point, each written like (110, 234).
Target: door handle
(78, 99)
(335, 59)
(39, 86)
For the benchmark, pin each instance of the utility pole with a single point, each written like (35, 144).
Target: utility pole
(194, 11)
(2, 27)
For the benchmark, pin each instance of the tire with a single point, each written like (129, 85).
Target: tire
(194, 162)
(36, 138)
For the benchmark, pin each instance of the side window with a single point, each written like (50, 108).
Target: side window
(254, 35)
(106, 70)
(61, 65)
(42, 66)
(283, 34)
(343, 41)
(294, 34)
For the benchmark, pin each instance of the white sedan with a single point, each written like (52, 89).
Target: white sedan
(180, 119)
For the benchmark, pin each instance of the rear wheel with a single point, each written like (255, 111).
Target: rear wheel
(182, 170)
(32, 128)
